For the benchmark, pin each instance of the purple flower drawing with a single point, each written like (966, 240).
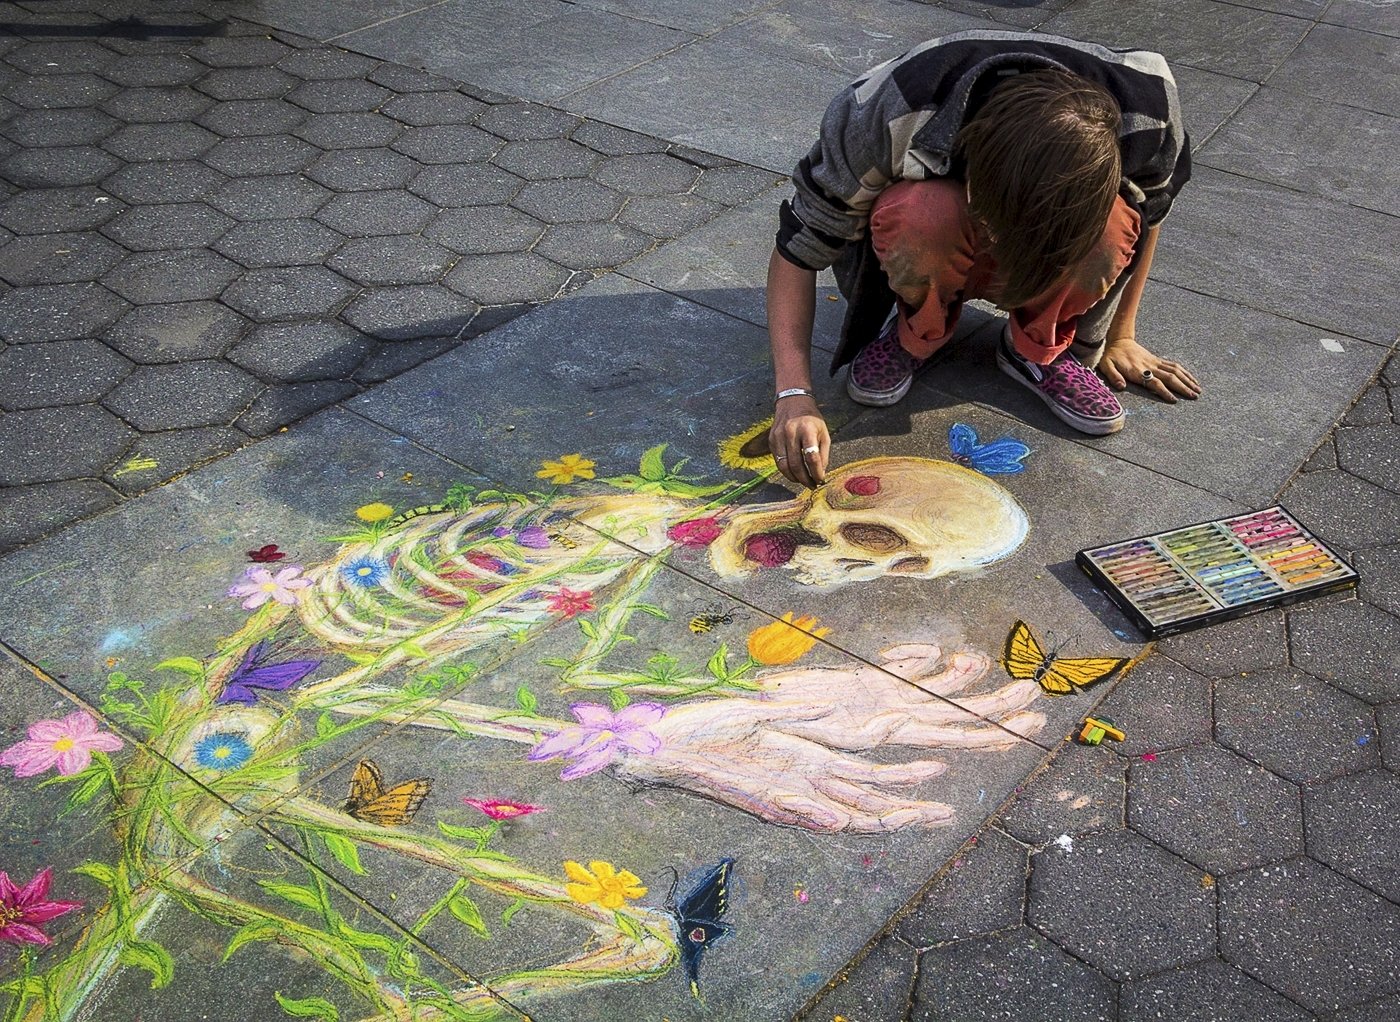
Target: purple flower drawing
(260, 585)
(252, 674)
(602, 737)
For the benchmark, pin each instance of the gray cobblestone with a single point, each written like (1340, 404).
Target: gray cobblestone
(172, 276)
(648, 174)
(467, 184)
(59, 373)
(57, 57)
(1205, 991)
(142, 143)
(178, 332)
(157, 104)
(1371, 408)
(178, 181)
(507, 277)
(1162, 706)
(279, 405)
(288, 292)
(1380, 577)
(1351, 644)
(57, 258)
(1388, 720)
(1344, 510)
(568, 201)
(173, 452)
(58, 167)
(733, 185)
(53, 91)
(544, 159)
(392, 260)
(246, 83)
(409, 313)
(434, 107)
(29, 512)
(261, 154)
(447, 143)
(388, 360)
(485, 229)
(248, 51)
(376, 213)
(83, 126)
(51, 444)
(149, 228)
(876, 990)
(611, 141)
(1387, 1009)
(362, 169)
(527, 120)
(590, 246)
(56, 210)
(302, 352)
(1354, 827)
(322, 64)
(357, 130)
(407, 79)
(1323, 458)
(182, 396)
(339, 96)
(267, 198)
(668, 216)
(263, 243)
(1372, 451)
(1250, 643)
(982, 892)
(253, 117)
(1080, 791)
(56, 312)
(1297, 726)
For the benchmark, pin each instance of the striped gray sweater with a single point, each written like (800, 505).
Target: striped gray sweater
(898, 121)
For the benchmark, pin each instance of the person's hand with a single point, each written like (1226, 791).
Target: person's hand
(1126, 361)
(799, 440)
(796, 753)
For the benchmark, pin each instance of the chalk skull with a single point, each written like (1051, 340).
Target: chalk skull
(883, 516)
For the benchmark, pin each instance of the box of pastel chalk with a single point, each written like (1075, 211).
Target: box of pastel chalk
(1214, 571)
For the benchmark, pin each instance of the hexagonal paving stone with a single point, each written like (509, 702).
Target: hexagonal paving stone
(441, 107)
(1344, 510)
(50, 210)
(1371, 408)
(37, 128)
(1080, 791)
(47, 92)
(591, 246)
(56, 57)
(60, 373)
(407, 79)
(1354, 827)
(1015, 975)
(409, 313)
(301, 352)
(1371, 453)
(57, 258)
(59, 167)
(733, 185)
(448, 143)
(246, 83)
(291, 292)
(261, 154)
(178, 181)
(362, 169)
(1387, 1009)
(466, 184)
(260, 243)
(568, 201)
(50, 444)
(176, 332)
(1388, 718)
(148, 228)
(171, 276)
(668, 216)
(1215, 809)
(253, 117)
(392, 260)
(1122, 904)
(390, 360)
(150, 69)
(648, 174)
(1168, 706)
(876, 989)
(29, 512)
(56, 312)
(182, 396)
(244, 51)
(1380, 577)
(481, 229)
(506, 278)
(1297, 726)
(157, 104)
(1317, 937)
(545, 159)
(142, 143)
(268, 198)
(340, 96)
(611, 141)
(527, 120)
(1351, 644)
(173, 451)
(284, 403)
(983, 891)
(1206, 990)
(350, 131)
(320, 63)
(377, 213)
(1250, 643)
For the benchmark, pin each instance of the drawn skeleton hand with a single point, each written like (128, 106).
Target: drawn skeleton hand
(792, 755)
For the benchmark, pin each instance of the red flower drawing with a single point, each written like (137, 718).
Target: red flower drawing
(266, 554)
(570, 603)
(23, 909)
(698, 532)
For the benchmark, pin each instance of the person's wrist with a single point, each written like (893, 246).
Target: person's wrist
(788, 392)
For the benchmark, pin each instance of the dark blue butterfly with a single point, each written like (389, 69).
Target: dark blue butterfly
(697, 913)
(252, 674)
(1000, 457)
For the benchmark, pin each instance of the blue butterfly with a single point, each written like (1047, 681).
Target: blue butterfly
(251, 674)
(1000, 457)
(697, 913)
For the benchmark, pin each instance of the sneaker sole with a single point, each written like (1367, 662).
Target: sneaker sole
(1093, 427)
(877, 398)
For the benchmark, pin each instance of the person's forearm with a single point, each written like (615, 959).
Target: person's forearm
(792, 299)
(1125, 319)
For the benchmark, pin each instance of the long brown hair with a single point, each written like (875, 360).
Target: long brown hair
(1043, 168)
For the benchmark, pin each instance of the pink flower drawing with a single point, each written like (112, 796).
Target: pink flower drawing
(499, 809)
(67, 744)
(601, 737)
(260, 585)
(569, 603)
(698, 532)
(22, 909)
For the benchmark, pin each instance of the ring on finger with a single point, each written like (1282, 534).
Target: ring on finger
(1146, 375)
(781, 457)
(811, 450)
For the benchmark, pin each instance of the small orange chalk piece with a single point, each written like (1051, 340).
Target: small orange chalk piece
(1096, 729)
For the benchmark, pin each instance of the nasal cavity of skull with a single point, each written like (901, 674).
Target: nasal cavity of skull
(869, 536)
(776, 548)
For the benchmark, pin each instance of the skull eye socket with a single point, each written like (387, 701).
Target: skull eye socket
(869, 536)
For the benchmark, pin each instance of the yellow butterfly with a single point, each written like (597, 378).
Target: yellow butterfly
(1025, 660)
(370, 802)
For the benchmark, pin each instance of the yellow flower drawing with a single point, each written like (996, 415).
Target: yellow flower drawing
(569, 468)
(375, 512)
(602, 882)
(748, 450)
(782, 642)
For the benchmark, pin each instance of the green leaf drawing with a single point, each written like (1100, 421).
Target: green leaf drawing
(258, 929)
(308, 1007)
(325, 725)
(653, 466)
(525, 699)
(99, 871)
(719, 663)
(618, 698)
(148, 955)
(587, 627)
(554, 661)
(466, 912)
(414, 650)
(184, 664)
(368, 941)
(360, 658)
(345, 852)
(628, 925)
(652, 609)
(476, 835)
(291, 892)
(509, 914)
(87, 791)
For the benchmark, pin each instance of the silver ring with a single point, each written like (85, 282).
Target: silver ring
(810, 450)
(1146, 375)
(781, 457)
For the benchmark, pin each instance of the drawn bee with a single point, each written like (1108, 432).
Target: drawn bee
(415, 512)
(564, 541)
(708, 620)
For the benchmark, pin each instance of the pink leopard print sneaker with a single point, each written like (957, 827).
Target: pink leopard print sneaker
(1074, 393)
(882, 371)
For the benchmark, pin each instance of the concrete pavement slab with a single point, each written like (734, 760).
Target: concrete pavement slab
(1343, 65)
